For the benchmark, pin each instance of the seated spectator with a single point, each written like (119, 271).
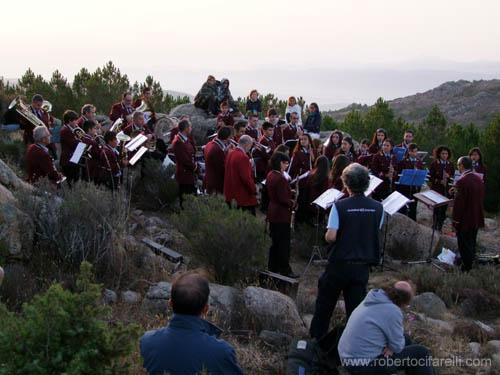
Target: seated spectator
(189, 344)
(225, 115)
(254, 104)
(224, 94)
(313, 121)
(293, 106)
(206, 98)
(374, 334)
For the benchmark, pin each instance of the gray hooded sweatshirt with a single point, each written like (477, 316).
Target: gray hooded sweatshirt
(375, 324)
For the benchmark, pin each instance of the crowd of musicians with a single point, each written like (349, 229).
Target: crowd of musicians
(278, 165)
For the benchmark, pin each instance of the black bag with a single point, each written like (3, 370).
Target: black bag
(305, 357)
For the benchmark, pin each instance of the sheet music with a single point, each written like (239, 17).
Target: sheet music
(394, 202)
(435, 196)
(138, 155)
(421, 154)
(374, 182)
(136, 142)
(77, 155)
(328, 198)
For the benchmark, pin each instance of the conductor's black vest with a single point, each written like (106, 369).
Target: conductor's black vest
(358, 233)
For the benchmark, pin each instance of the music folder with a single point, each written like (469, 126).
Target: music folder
(412, 177)
(136, 142)
(374, 182)
(328, 198)
(399, 152)
(394, 202)
(138, 155)
(77, 155)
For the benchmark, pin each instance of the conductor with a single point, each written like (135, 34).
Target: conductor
(353, 229)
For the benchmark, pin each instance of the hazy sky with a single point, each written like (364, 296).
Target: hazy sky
(181, 41)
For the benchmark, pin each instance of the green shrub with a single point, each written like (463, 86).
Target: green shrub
(156, 189)
(64, 332)
(12, 152)
(229, 242)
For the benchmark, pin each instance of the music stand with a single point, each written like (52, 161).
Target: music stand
(324, 201)
(432, 199)
(391, 205)
(399, 152)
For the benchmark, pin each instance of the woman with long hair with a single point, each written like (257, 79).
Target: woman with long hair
(254, 104)
(477, 162)
(316, 184)
(313, 121)
(333, 144)
(383, 166)
(293, 107)
(340, 162)
(303, 156)
(441, 172)
(378, 139)
(347, 149)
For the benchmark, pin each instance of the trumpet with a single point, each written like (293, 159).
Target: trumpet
(261, 147)
(23, 109)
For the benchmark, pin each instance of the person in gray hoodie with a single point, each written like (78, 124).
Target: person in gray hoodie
(373, 341)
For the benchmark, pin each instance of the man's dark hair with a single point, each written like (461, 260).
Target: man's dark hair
(189, 294)
(412, 146)
(364, 141)
(276, 159)
(436, 153)
(409, 131)
(239, 125)
(224, 104)
(125, 94)
(69, 116)
(356, 178)
(183, 125)
(272, 112)
(224, 133)
(465, 161)
(87, 108)
(37, 98)
(252, 114)
(109, 136)
(267, 125)
(87, 125)
(399, 297)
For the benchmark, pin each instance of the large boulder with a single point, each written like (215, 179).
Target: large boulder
(202, 124)
(156, 300)
(406, 239)
(429, 304)
(273, 311)
(226, 306)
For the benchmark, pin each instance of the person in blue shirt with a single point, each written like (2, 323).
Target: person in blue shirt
(189, 344)
(353, 229)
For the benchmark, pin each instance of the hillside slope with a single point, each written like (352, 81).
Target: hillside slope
(460, 101)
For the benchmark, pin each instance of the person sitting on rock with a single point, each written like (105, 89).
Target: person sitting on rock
(225, 115)
(206, 98)
(373, 341)
(254, 105)
(224, 94)
(189, 344)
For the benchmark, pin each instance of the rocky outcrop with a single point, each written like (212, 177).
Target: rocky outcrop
(202, 124)
(429, 304)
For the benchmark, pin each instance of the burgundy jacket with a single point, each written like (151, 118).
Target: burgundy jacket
(185, 165)
(68, 145)
(331, 151)
(252, 132)
(239, 183)
(380, 165)
(227, 119)
(280, 198)
(290, 132)
(436, 170)
(215, 156)
(365, 160)
(135, 129)
(480, 168)
(119, 110)
(39, 164)
(468, 205)
(262, 158)
(92, 164)
(108, 160)
(374, 148)
(301, 163)
(407, 163)
(278, 133)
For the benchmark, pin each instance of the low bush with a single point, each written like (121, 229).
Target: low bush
(230, 242)
(156, 189)
(12, 152)
(64, 332)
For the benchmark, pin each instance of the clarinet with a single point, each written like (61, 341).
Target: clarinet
(295, 200)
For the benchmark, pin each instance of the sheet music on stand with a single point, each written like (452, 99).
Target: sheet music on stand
(394, 202)
(328, 198)
(138, 155)
(77, 155)
(374, 182)
(432, 198)
(412, 177)
(136, 142)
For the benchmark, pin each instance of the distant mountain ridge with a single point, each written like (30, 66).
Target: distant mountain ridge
(461, 102)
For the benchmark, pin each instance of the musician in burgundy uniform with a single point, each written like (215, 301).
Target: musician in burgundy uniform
(111, 163)
(378, 139)
(185, 164)
(239, 182)
(383, 166)
(87, 114)
(316, 184)
(261, 155)
(333, 145)
(274, 118)
(477, 162)
(364, 156)
(146, 96)
(340, 162)
(69, 141)
(122, 109)
(91, 161)
(293, 130)
(215, 157)
(407, 139)
(239, 130)
(38, 111)
(279, 215)
(252, 128)
(409, 161)
(441, 173)
(303, 156)
(347, 149)
(225, 114)
(468, 213)
(39, 163)
(138, 126)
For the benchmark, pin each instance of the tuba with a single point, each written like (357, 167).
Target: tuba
(117, 126)
(23, 110)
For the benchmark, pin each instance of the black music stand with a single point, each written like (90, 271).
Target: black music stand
(432, 199)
